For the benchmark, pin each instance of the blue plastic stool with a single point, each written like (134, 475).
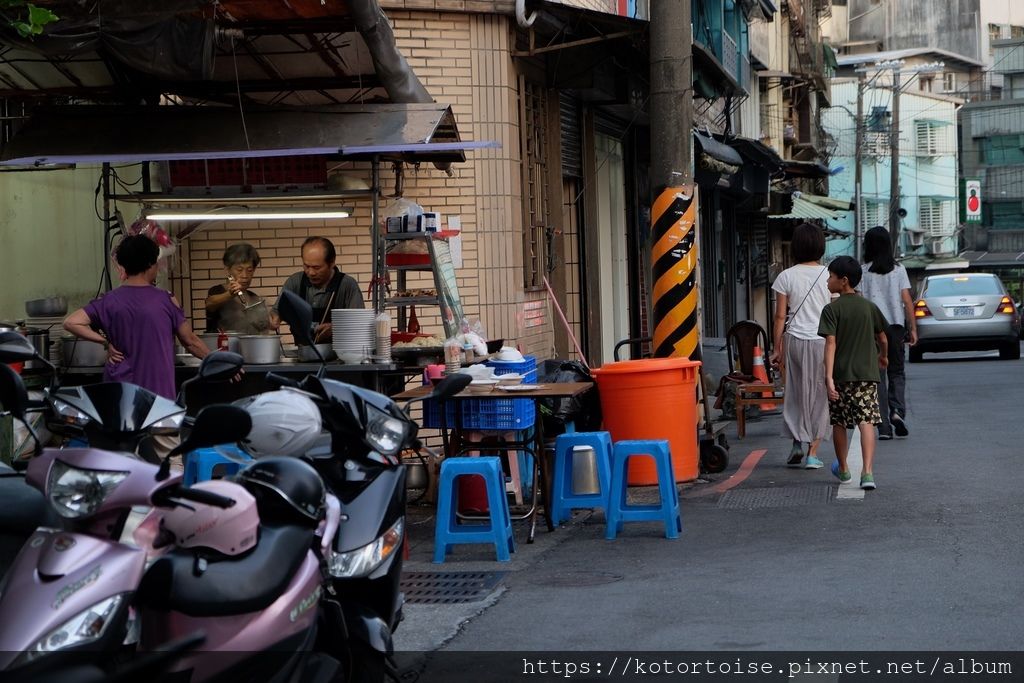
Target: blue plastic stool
(204, 464)
(563, 499)
(498, 530)
(667, 511)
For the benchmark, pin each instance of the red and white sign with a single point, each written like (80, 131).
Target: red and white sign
(972, 200)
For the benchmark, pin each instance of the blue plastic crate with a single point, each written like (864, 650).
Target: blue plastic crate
(526, 367)
(432, 414)
(503, 414)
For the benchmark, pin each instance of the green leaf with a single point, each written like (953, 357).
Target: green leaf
(40, 16)
(23, 29)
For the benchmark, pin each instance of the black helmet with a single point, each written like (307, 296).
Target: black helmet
(287, 490)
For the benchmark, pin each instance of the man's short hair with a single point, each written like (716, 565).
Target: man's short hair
(846, 266)
(329, 254)
(136, 254)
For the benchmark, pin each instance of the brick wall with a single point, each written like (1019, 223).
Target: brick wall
(464, 61)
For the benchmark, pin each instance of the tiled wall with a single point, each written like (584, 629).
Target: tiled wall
(464, 61)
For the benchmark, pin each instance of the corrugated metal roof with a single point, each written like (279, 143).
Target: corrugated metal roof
(866, 57)
(807, 210)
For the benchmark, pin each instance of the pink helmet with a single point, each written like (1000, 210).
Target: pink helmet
(230, 531)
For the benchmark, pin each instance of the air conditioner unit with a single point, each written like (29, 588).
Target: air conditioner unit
(915, 238)
(937, 245)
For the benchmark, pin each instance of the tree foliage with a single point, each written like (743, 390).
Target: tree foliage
(24, 17)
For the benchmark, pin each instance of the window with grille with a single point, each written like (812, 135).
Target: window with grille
(876, 144)
(533, 111)
(873, 213)
(927, 138)
(933, 216)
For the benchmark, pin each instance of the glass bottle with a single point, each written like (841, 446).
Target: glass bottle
(414, 325)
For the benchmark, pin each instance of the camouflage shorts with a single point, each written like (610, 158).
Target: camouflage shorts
(858, 402)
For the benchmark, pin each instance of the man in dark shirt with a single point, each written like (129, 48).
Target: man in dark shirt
(322, 285)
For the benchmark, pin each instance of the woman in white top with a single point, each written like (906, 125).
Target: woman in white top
(801, 292)
(886, 285)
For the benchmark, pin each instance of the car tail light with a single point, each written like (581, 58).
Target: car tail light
(921, 309)
(1006, 306)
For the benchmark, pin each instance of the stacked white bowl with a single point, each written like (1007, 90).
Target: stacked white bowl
(353, 334)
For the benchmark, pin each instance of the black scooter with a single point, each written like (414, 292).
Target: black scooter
(363, 469)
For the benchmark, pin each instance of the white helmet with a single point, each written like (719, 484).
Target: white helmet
(231, 530)
(284, 422)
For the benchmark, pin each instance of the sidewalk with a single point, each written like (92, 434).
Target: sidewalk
(434, 618)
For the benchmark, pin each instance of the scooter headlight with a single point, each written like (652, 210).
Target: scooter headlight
(70, 414)
(75, 492)
(364, 561)
(168, 425)
(86, 627)
(384, 433)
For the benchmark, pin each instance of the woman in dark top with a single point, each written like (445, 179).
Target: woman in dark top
(233, 307)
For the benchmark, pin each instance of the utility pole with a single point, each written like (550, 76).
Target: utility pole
(894, 170)
(674, 214)
(858, 170)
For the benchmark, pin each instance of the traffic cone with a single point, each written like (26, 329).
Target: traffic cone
(762, 376)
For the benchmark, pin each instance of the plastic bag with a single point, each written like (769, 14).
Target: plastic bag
(584, 411)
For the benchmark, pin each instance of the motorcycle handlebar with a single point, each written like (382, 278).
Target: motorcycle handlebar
(278, 381)
(198, 496)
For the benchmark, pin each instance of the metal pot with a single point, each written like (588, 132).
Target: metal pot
(260, 349)
(41, 341)
(49, 307)
(79, 353)
(210, 339)
(307, 355)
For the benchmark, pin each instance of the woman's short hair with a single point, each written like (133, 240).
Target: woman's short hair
(808, 243)
(243, 252)
(136, 254)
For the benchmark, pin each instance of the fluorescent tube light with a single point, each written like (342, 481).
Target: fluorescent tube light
(241, 215)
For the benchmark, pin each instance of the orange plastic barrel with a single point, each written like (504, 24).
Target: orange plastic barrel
(653, 398)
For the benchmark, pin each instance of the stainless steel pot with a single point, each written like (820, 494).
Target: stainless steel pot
(210, 339)
(307, 355)
(79, 353)
(260, 349)
(46, 308)
(41, 341)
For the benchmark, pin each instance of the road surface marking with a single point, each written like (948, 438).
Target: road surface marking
(855, 461)
(749, 463)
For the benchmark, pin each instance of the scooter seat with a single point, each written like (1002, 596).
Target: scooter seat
(189, 582)
(25, 508)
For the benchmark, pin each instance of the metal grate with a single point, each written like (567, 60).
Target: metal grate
(776, 497)
(448, 588)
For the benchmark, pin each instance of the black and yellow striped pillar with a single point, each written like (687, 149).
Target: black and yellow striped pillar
(674, 262)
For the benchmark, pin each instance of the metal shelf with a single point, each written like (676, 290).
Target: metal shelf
(421, 235)
(412, 301)
(424, 267)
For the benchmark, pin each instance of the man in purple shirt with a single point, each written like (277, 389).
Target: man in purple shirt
(140, 322)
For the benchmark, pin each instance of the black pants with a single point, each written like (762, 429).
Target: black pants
(892, 393)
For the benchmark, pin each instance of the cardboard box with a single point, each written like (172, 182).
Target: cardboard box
(429, 221)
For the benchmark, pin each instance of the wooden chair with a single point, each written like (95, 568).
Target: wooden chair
(740, 341)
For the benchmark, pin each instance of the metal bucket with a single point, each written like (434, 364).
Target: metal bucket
(584, 471)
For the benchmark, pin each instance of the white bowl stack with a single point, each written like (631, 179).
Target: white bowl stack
(353, 334)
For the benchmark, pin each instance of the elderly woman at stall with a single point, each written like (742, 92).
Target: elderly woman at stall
(232, 306)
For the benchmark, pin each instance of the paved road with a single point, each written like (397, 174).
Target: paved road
(930, 560)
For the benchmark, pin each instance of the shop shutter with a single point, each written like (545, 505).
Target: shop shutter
(572, 135)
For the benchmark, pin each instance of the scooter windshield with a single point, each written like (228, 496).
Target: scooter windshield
(119, 407)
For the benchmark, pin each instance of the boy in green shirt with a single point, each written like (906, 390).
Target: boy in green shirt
(855, 347)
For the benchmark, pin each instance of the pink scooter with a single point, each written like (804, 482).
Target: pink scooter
(70, 592)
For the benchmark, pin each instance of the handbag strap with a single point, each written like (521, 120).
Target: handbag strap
(807, 294)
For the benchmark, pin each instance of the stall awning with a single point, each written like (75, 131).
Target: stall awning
(717, 150)
(994, 259)
(91, 134)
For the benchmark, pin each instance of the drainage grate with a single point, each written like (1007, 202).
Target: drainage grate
(775, 497)
(448, 588)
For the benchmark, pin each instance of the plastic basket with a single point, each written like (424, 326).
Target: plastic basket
(505, 414)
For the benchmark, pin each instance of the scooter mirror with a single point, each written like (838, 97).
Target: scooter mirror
(13, 395)
(295, 311)
(15, 348)
(451, 385)
(214, 425)
(220, 365)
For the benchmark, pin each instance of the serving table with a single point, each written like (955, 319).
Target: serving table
(456, 442)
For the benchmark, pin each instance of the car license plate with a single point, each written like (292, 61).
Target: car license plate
(963, 311)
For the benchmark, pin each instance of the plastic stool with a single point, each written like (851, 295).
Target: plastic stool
(667, 511)
(563, 498)
(498, 530)
(204, 464)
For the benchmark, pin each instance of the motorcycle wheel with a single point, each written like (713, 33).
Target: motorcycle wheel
(366, 664)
